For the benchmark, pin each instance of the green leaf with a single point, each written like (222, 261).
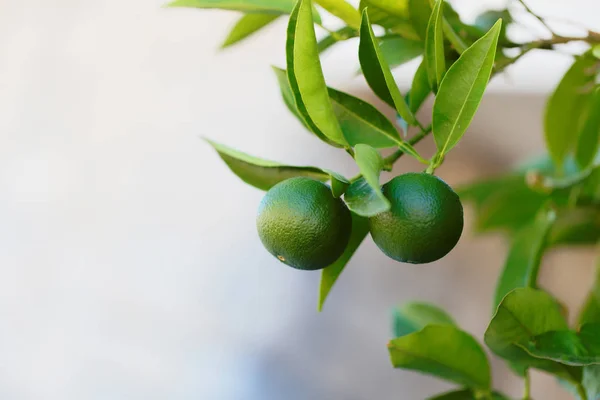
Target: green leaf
(565, 108)
(525, 255)
(443, 351)
(264, 174)
(396, 8)
(591, 381)
(420, 88)
(420, 12)
(434, 46)
(248, 6)
(523, 314)
(596, 51)
(590, 313)
(339, 184)
(462, 89)
(330, 275)
(246, 26)
(288, 95)
(370, 201)
(467, 394)
(567, 347)
(589, 137)
(306, 77)
(413, 317)
(330, 39)
(377, 73)
(488, 18)
(397, 50)
(576, 226)
(342, 10)
(361, 122)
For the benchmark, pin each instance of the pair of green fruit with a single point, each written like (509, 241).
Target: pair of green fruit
(303, 225)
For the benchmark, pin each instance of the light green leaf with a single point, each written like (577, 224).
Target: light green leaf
(467, 394)
(264, 174)
(523, 314)
(525, 255)
(462, 89)
(395, 24)
(330, 275)
(396, 8)
(420, 88)
(596, 51)
(591, 381)
(589, 137)
(567, 347)
(435, 59)
(413, 317)
(342, 10)
(590, 313)
(248, 6)
(330, 39)
(306, 77)
(246, 26)
(361, 122)
(565, 108)
(420, 12)
(364, 200)
(377, 72)
(443, 351)
(397, 50)
(288, 95)
(370, 164)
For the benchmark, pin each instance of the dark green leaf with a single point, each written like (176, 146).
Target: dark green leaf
(467, 394)
(367, 203)
(576, 226)
(413, 317)
(248, 6)
(565, 107)
(420, 88)
(488, 18)
(567, 347)
(591, 381)
(361, 122)
(397, 50)
(377, 73)
(462, 89)
(420, 11)
(525, 255)
(443, 351)
(342, 10)
(329, 275)
(306, 77)
(264, 174)
(523, 314)
(246, 26)
(589, 137)
(288, 96)
(435, 60)
(590, 313)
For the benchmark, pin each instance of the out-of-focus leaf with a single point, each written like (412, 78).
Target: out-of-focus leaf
(248, 6)
(565, 108)
(329, 40)
(591, 381)
(343, 10)
(576, 226)
(443, 351)
(590, 313)
(413, 317)
(330, 275)
(461, 91)
(377, 72)
(397, 50)
(395, 24)
(246, 26)
(487, 19)
(420, 11)
(589, 137)
(396, 8)
(306, 77)
(466, 394)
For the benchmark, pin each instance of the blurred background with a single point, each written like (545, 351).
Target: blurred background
(129, 263)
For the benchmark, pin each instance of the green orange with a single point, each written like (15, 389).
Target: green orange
(425, 220)
(302, 224)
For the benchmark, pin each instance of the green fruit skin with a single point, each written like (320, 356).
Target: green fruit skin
(302, 224)
(425, 220)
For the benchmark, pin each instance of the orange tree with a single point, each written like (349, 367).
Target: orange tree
(417, 217)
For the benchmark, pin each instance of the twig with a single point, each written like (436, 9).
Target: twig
(542, 21)
(389, 161)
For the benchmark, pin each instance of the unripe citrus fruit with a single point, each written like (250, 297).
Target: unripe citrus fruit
(424, 222)
(302, 224)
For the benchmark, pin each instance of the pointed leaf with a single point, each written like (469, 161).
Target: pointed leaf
(565, 107)
(462, 89)
(589, 137)
(420, 88)
(288, 95)
(397, 50)
(525, 255)
(420, 12)
(435, 59)
(330, 275)
(445, 352)
(361, 122)
(264, 174)
(377, 72)
(523, 314)
(306, 77)
(413, 317)
(362, 199)
(342, 10)
(246, 26)
(249, 6)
